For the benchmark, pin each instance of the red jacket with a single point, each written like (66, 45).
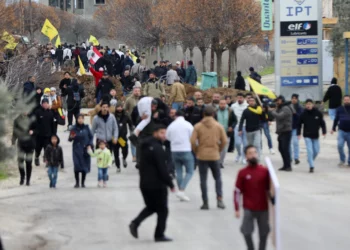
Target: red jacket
(253, 183)
(97, 74)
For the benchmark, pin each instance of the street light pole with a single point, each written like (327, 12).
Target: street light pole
(346, 36)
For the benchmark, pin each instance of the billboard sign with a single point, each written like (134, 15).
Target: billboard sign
(266, 15)
(298, 37)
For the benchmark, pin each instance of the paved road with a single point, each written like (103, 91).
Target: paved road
(315, 210)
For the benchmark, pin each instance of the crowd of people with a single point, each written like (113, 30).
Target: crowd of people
(169, 136)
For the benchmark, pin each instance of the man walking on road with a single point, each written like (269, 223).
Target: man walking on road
(342, 118)
(294, 145)
(105, 126)
(154, 181)
(284, 121)
(240, 138)
(333, 95)
(208, 140)
(253, 182)
(312, 120)
(179, 134)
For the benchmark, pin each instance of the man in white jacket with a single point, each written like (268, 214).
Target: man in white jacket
(240, 140)
(179, 134)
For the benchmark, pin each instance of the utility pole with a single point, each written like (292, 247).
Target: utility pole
(31, 21)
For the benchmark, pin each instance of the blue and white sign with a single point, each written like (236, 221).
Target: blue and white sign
(298, 37)
(296, 10)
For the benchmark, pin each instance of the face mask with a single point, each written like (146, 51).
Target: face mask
(253, 161)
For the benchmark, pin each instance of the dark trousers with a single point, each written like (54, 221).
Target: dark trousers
(231, 144)
(55, 125)
(284, 147)
(170, 164)
(116, 148)
(156, 201)
(25, 155)
(83, 176)
(1, 247)
(41, 143)
(203, 174)
(71, 112)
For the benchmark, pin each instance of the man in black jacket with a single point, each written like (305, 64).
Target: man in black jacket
(154, 181)
(24, 134)
(44, 128)
(59, 57)
(64, 84)
(253, 116)
(127, 82)
(312, 120)
(105, 86)
(334, 95)
(192, 113)
(75, 93)
(123, 120)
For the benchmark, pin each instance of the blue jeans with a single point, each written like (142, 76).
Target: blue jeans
(52, 172)
(133, 150)
(177, 105)
(332, 113)
(239, 140)
(342, 138)
(181, 159)
(294, 145)
(312, 148)
(266, 129)
(102, 174)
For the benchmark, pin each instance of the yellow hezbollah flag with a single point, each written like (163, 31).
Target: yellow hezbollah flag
(7, 37)
(260, 89)
(93, 40)
(58, 41)
(11, 46)
(81, 67)
(49, 30)
(133, 57)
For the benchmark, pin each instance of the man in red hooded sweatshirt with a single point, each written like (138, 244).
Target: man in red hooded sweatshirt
(253, 182)
(97, 75)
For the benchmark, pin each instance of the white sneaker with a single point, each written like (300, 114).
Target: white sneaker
(238, 158)
(244, 161)
(272, 151)
(182, 196)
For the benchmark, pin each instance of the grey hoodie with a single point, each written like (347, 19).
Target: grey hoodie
(105, 130)
(284, 118)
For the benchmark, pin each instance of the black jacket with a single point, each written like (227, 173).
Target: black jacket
(127, 83)
(312, 120)
(104, 87)
(67, 82)
(334, 95)
(28, 88)
(153, 166)
(74, 91)
(123, 120)
(193, 115)
(44, 122)
(252, 120)
(240, 83)
(59, 54)
(54, 156)
(83, 56)
(21, 127)
(160, 71)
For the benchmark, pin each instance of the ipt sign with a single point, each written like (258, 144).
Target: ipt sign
(296, 10)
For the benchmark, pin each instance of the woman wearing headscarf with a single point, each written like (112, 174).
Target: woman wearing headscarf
(82, 138)
(46, 95)
(55, 105)
(240, 82)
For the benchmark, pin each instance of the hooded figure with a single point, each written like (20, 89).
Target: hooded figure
(240, 82)
(54, 154)
(46, 95)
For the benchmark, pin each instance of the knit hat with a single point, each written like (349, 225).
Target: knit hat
(46, 90)
(309, 100)
(178, 63)
(45, 100)
(101, 69)
(137, 85)
(295, 96)
(53, 89)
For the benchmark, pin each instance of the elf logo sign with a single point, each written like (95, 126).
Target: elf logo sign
(294, 10)
(307, 28)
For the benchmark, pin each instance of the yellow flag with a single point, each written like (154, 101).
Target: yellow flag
(122, 142)
(81, 67)
(7, 37)
(260, 89)
(93, 40)
(58, 41)
(133, 57)
(49, 30)
(11, 46)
